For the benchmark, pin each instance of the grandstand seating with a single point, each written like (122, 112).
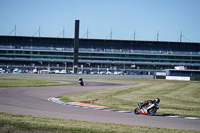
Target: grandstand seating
(160, 51)
(60, 45)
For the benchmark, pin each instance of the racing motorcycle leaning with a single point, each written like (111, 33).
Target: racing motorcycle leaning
(149, 109)
(81, 81)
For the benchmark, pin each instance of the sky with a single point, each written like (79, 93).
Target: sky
(100, 18)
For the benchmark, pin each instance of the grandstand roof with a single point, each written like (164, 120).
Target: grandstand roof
(113, 40)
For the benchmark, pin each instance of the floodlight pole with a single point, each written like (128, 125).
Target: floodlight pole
(157, 35)
(87, 33)
(181, 37)
(111, 35)
(63, 32)
(39, 31)
(15, 30)
(134, 35)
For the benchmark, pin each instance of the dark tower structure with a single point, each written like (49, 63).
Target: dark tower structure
(76, 46)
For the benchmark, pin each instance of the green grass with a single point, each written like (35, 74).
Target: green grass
(14, 82)
(177, 98)
(11, 122)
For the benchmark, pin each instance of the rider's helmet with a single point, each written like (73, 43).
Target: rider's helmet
(80, 78)
(157, 100)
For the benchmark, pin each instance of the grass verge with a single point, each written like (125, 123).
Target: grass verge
(14, 82)
(18, 123)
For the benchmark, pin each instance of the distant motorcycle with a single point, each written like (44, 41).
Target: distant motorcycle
(149, 109)
(81, 81)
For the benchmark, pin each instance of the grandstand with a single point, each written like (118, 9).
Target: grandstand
(57, 53)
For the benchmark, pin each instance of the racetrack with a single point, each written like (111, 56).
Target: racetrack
(33, 101)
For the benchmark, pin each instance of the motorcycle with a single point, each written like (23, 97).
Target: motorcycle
(81, 83)
(149, 109)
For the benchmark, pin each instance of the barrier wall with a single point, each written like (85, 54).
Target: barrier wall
(177, 78)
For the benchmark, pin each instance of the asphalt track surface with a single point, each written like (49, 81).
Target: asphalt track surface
(33, 101)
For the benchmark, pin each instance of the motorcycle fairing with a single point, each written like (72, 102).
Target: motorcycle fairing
(142, 111)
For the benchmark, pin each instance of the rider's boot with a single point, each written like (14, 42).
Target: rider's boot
(141, 103)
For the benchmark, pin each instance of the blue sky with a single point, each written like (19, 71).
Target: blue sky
(146, 17)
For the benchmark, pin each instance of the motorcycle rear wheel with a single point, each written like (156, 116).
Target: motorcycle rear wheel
(152, 111)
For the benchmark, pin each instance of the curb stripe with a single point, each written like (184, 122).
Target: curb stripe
(57, 100)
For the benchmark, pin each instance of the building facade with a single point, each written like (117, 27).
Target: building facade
(58, 53)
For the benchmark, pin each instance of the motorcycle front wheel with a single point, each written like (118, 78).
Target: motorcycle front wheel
(136, 111)
(151, 111)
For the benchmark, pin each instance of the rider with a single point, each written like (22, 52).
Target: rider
(80, 79)
(142, 104)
